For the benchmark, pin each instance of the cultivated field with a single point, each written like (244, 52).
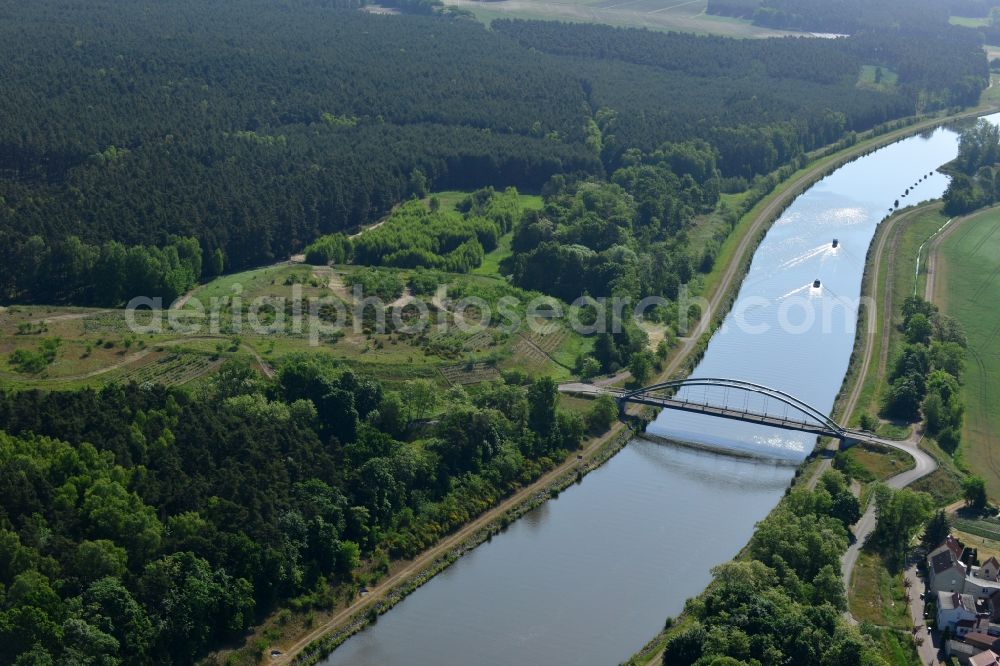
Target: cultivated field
(678, 15)
(968, 288)
(969, 22)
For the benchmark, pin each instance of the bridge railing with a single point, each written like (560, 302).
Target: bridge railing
(650, 392)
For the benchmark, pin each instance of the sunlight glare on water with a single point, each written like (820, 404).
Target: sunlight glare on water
(587, 578)
(809, 331)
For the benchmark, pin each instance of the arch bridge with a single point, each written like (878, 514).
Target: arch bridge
(778, 410)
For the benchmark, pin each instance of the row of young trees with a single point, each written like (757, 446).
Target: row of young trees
(145, 525)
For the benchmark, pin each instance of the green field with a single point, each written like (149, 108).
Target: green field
(918, 226)
(987, 528)
(880, 462)
(678, 15)
(95, 346)
(968, 21)
(879, 78)
(980, 533)
(876, 595)
(968, 289)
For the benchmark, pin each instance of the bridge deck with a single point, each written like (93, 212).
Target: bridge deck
(736, 415)
(654, 397)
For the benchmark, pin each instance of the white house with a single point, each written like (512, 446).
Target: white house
(960, 612)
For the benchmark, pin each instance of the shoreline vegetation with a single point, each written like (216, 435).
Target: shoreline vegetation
(813, 465)
(721, 285)
(769, 208)
(263, 493)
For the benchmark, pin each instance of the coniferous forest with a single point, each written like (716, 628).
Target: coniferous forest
(255, 126)
(147, 146)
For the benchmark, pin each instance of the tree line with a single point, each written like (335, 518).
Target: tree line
(70, 271)
(925, 377)
(783, 601)
(839, 16)
(974, 173)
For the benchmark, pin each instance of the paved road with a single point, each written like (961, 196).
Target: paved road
(927, 650)
(924, 464)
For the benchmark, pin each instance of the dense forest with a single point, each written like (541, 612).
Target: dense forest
(256, 127)
(144, 525)
(759, 102)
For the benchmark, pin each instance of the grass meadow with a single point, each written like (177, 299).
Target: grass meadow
(968, 288)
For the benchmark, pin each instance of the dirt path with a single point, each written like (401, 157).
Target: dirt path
(265, 367)
(70, 316)
(933, 284)
(427, 558)
(183, 300)
(884, 310)
(135, 357)
(869, 344)
(405, 298)
(734, 271)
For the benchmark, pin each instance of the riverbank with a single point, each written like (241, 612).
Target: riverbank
(849, 395)
(686, 355)
(891, 276)
(381, 598)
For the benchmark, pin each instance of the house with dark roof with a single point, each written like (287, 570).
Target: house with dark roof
(945, 570)
(982, 641)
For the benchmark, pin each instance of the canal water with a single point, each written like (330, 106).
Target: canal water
(589, 577)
